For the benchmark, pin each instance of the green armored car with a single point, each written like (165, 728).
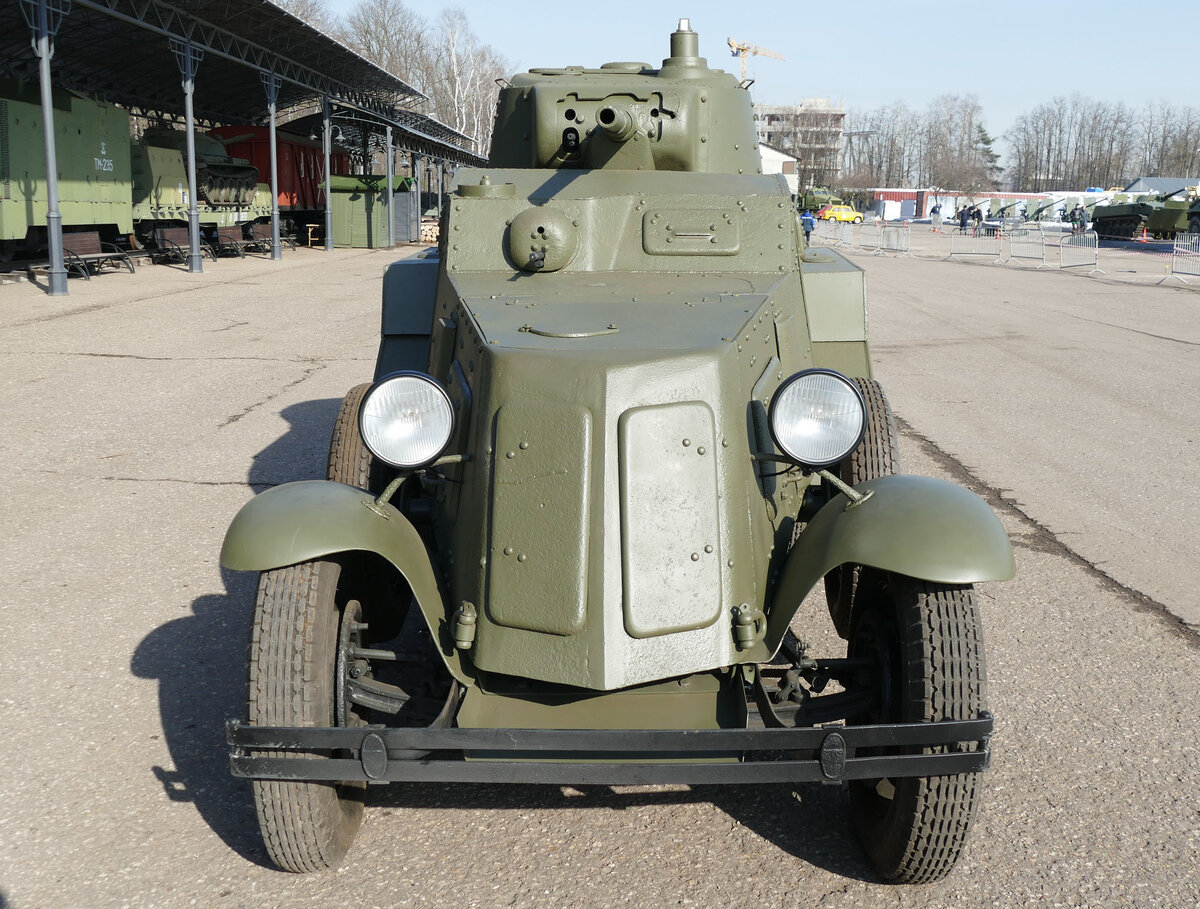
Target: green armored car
(620, 426)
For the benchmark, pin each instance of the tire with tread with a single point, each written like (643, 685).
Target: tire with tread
(305, 826)
(350, 461)
(877, 455)
(929, 640)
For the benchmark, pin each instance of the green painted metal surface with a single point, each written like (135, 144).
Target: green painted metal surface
(702, 701)
(618, 296)
(409, 288)
(92, 141)
(360, 209)
(314, 519)
(917, 526)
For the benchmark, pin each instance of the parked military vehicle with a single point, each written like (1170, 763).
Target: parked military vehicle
(121, 187)
(1158, 214)
(619, 427)
(815, 198)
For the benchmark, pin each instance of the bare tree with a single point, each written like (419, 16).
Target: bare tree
(445, 61)
(1071, 143)
(314, 12)
(462, 77)
(391, 36)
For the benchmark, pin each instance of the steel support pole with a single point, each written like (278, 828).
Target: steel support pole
(418, 170)
(271, 83)
(391, 235)
(189, 58)
(438, 169)
(44, 29)
(327, 142)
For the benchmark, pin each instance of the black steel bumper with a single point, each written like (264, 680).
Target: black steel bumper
(828, 754)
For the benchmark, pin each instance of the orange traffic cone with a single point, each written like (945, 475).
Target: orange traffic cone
(1144, 238)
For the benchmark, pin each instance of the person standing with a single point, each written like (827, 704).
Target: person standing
(935, 217)
(807, 223)
(963, 216)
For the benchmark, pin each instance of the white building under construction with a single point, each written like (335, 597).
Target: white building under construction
(811, 131)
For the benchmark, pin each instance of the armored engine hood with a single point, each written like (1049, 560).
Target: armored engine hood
(612, 457)
(582, 313)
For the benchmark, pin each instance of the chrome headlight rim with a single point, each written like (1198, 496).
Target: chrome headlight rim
(373, 443)
(779, 396)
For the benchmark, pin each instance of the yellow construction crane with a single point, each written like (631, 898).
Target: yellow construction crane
(742, 50)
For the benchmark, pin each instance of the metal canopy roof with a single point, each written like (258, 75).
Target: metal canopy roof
(123, 50)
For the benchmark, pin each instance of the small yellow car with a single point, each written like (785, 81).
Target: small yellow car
(839, 213)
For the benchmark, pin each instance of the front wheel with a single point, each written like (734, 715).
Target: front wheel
(293, 654)
(858, 220)
(925, 643)
(877, 455)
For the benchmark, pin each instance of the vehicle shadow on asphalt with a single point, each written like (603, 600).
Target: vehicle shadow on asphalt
(200, 664)
(808, 821)
(302, 452)
(199, 660)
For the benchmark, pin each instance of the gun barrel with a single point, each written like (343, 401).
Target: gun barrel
(618, 123)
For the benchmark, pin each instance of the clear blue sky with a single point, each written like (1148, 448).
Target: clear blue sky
(1012, 54)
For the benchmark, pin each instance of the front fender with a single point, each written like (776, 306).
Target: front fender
(916, 526)
(312, 519)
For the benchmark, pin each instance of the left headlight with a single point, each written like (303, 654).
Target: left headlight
(406, 419)
(817, 417)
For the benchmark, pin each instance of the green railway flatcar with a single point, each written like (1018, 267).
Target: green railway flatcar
(120, 187)
(94, 182)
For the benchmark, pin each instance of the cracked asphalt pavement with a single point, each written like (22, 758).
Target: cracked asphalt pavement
(141, 411)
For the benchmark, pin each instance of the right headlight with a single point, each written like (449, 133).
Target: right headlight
(817, 417)
(406, 419)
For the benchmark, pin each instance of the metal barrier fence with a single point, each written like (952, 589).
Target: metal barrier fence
(971, 243)
(1185, 258)
(1024, 243)
(870, 236)
(1078, 250)
(834, 233)
(895, 238)
(824, 231)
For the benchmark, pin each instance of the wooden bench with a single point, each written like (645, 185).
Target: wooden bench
(83, 250)
(262, 235)
(234, 240)
(174, 243)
